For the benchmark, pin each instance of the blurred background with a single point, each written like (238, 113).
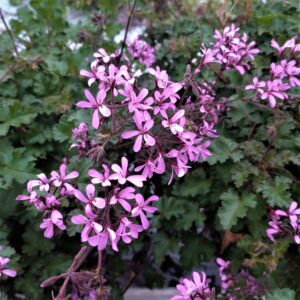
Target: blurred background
(255, 162)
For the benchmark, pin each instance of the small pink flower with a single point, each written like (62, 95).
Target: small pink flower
(4, 271)
(97, 105)
(99, 177)
(144, 207)
(90, 199)
(176, 123)
(59, 179)
(121, 174)
(141, 133)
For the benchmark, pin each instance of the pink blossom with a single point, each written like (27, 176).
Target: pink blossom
(50, 223)
(121, 174)
(176, 123)
(59, 179)
(275, 89)
(115, 77)
(257, 86)
(90, 199)
(94, 74)
(127, 230)
(4, 271)
(101, 238)
(43, 183)
(144, 207)
(97, 105)
(88, 222)
(99, 177)
(122, 196)
(142, 51)
(141, 133)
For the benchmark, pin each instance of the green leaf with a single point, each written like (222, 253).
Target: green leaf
(223, 149)
(194, 184)
(196, 249)
(63, 130)
(163, 245)
(276, 192)
(281, 294)
(241, 172)
(233, 207)
(14, 114)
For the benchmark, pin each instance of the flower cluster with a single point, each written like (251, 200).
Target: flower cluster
(232, 50)
(142, 51)
(3, 269)
(46, 194)
(282, 76)
(107, 199)
(285, 223)
(241, 285)
(196, 288)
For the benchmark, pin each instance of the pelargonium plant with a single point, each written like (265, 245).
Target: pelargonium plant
(160, 129)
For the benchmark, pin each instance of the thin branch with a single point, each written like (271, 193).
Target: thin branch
(126, 31)
(9, 32)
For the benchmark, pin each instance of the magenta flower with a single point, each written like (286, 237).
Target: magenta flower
(3, 270)
(196, 288)
(144, 207)
(114, 78)
(122, 196)
(141, 133)
(176, 123)
(55, 220)
(142, 51)
(275, 89)
(99, 177)
(121, 174)
(93, 75)
(257, 86)
(102, 54)
(43, 183)
(161, 76)
(88, 222)
(127, 230)
(100, 240)
(97, 105)
(59, 179)
(138, 103)
(90, 199)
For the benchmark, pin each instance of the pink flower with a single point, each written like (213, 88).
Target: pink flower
(114, 78)
(142, 51)
(141, 133)
(59, 179)
(121, 174)
(257, 86)
(88, 222)
(102, 54)
(138, 104)
(176, 123)
(127, 230)
(90, 199)
(100, 240)
(94, 74)
(97, 105)
(144, 207)
(56, 219)
(99, 177)
(275, 89)
(122, 196)
(43, 183)
(3, 271)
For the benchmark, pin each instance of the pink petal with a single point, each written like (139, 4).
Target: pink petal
(95, 119)
(99, 202)
(105, 111)
(129, 134)
(84, 104)
(138, 143)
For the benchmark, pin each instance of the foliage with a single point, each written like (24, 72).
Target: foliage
(255, 165)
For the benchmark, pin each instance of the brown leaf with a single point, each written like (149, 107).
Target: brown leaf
(230, 238)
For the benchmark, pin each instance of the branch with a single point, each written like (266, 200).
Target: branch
(126, 31)
(9, 32)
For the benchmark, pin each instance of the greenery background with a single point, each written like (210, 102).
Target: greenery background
(219, 209)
